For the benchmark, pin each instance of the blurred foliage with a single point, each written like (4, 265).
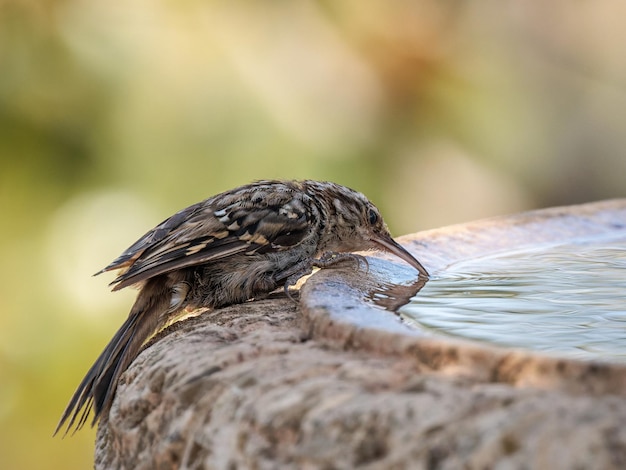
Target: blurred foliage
(114, 115)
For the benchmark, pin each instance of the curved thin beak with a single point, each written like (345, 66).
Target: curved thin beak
(393, 247)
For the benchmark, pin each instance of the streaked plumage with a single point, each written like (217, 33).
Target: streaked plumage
(239, 245)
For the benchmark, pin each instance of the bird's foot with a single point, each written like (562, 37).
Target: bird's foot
(330, 258)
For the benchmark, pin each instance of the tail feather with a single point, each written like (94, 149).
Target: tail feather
(97, 389)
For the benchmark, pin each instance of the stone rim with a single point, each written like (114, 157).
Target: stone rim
(334, 306)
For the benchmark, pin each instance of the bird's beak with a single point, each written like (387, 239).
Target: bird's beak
(389, 244)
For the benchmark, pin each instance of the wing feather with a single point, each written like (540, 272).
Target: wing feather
(214, 230)
(152, 238)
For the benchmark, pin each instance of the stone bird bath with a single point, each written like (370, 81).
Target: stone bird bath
(339, 382)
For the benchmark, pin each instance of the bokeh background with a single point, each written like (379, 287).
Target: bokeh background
(113, 115)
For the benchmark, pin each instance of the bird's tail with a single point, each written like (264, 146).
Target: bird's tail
(98, 387)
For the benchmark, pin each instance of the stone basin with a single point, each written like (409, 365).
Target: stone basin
(336, 381)
(360, 324)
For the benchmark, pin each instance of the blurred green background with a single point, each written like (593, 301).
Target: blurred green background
(115, 115)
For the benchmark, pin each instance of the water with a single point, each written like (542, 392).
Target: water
(568, 299)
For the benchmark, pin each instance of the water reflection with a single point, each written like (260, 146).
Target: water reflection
(567, 299)
(392, 296)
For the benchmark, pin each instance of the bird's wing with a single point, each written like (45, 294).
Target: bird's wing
(214, 230)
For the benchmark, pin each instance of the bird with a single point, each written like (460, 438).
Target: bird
(237, 246)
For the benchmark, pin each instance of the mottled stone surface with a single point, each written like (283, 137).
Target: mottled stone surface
(335, 382)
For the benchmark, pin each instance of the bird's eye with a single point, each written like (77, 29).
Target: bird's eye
(373, 216)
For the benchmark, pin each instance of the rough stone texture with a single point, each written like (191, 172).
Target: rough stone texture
(336, 382)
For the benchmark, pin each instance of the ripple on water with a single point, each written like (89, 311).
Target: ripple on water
(568, 299)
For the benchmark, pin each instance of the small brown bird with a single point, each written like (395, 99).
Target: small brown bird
(233, 247)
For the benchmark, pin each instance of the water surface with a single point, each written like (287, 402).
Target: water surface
(568, 299)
